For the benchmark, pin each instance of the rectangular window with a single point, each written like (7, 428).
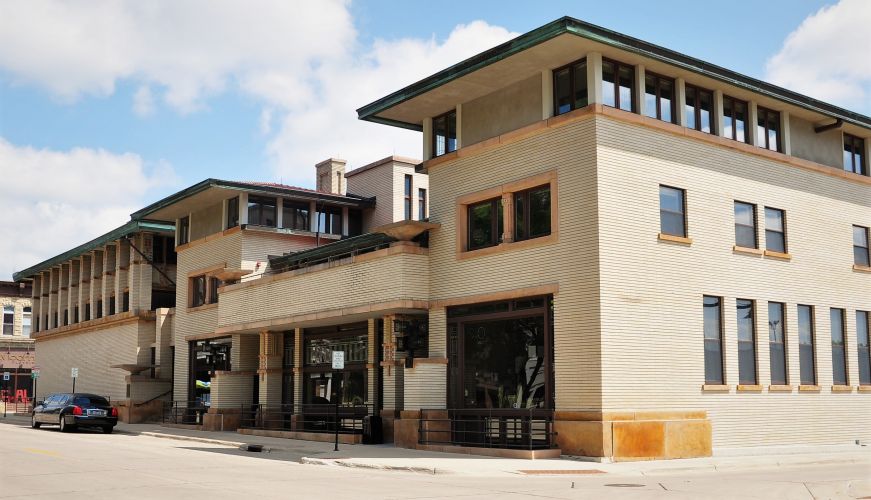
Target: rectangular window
(807, 360)
(184, 230)
(421, 204)
(854, 155)
(355, 222)
(777, 343)
(111, 307)
(26, 318)
(775, 230)
(734, 119)
(232, 212)
(839, 349)
(860, 246)
(330, 220)
(295, 215)
(408, 200)
(532, 213)
(66, 317)
(746, 342)
(8, 319)
(97, 314)
(863, 325)
(198, 291)
(659, 97)
(214, 283)
(713, 327)
(88, 312)
(261, 211)
(745, 225)
(767, 129)
(485, 224)
(570, 87)
(618, 85)
(444, 133)
(75, 314)
(699, 106)
(672, 211)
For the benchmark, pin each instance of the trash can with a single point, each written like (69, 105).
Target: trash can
(373, 433)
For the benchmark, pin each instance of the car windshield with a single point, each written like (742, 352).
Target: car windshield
(90, 401)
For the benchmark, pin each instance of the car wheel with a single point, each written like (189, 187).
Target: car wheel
(107, 429)
(64, 426)
(33, 423)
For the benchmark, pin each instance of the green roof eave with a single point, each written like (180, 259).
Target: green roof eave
(617, 40)
(131, 227)
(247, 187)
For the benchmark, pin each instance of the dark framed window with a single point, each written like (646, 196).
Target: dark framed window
(807, 359)
(618, 85)
(768, 129)
(233, 212)
(97, 314)
(854, 155)
(746, 342)
(111, 307)
(163, 250)
(355, 222)
(296, 215)
(777, 343)
(570, 87)
(699, 107)
(214, 283)
(745, 225)
(659, 97)
(408, 203)
(860, 246)
(713, 331)
(8, 319)
(197, 291)
(734, 119)
(839, 346)
(184, 230)
(444, 133)
(87, 312)
(775, 230)
(262, 211)
(672, 211)
(125, 302)
(863, 325)
(532, 213)
(484, 224)
(329, 220)
(323, 385)
(421, 204)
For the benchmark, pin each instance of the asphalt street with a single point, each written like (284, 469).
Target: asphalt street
(48, 464)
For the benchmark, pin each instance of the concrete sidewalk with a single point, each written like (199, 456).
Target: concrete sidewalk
(387, 457)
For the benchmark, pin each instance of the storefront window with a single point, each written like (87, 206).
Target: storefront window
(207, 357)
(324, 385)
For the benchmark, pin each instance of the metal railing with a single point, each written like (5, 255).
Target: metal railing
(184, 412)
(17, 406)
(524, 429)
(322, 418)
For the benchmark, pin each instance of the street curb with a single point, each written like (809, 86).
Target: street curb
(234, 444)
(359, 465)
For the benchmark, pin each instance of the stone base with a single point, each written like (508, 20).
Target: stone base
(629, 436)
(493, 452)
(222, 419)
(136, 413)
(304, 436)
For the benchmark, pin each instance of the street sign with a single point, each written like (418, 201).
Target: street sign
(74, 373)
(6, 375)
(34, 374)
(338, 360)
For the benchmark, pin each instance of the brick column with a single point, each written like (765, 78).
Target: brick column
(372, 364)
(53, 296)
(35, 302)
(269, 369)
(298, 356)
(73, 293)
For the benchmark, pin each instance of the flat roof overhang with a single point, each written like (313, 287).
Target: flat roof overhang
(212, 191)
(563, 41)
(132, 227)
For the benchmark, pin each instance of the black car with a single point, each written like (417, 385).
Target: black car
(71, 411)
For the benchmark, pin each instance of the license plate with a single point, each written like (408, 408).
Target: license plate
(96, 413)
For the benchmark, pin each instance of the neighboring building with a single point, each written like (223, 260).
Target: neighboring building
(16, 345)
(106, 307)
(615, 228)
(683, 249)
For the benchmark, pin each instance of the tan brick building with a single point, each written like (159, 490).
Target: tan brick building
(629, 254)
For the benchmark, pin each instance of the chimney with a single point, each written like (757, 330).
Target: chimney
(331, 176)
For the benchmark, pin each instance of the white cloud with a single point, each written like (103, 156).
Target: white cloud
(52, 201)
(829, 56)
(326, 125)
(143, 101)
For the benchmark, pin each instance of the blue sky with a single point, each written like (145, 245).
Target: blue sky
(165, 95)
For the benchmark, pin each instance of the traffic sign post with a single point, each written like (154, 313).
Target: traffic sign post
(34, 374)
(6, 377)
(74, 373)
(338, 364)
